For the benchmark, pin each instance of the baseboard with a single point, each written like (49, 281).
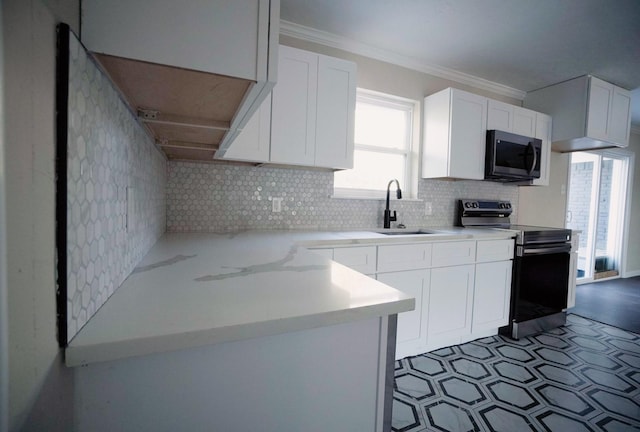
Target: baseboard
(632, 273)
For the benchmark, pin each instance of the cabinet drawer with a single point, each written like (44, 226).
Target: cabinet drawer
(494, 250)
(362, 259)
(404, 257)
(325, 252)
(453, 253)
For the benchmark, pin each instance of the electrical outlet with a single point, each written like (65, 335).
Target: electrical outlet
(428, 209)
(276, 205)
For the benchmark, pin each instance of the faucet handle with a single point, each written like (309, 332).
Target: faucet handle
(393, 217)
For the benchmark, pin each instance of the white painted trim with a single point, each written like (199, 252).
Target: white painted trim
(633, 273)
(310, 34)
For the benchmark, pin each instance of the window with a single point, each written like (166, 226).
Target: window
(384, 131)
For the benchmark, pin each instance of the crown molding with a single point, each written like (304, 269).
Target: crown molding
(310, 34)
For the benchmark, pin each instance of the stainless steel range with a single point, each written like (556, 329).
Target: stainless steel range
(540, 267)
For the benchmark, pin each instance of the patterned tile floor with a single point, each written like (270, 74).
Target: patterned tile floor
(584, 376)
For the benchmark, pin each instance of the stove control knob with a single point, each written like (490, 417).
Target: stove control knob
(468, 204)
(475, 205)
(508, 205)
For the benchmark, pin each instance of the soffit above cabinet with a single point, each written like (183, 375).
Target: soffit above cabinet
(194, 88)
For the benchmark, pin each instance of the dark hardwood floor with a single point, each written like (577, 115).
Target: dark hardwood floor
(615, 302)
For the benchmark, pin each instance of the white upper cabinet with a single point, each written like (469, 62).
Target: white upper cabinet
(454, 143)
(311, 115)
(543, 132)
(195, 71)
(293, 108)
(510, 118)
(252, 144)
(335, 114)
(313, 110)
(588, 113)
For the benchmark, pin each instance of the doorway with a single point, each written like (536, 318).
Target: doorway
(598, 188)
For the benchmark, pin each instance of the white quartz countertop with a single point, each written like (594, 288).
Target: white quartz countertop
(199, 289)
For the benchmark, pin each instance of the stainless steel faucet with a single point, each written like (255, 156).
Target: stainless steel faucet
(388, 218)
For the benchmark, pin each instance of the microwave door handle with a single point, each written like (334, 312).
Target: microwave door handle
(535, 157)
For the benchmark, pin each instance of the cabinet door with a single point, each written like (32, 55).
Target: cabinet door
(492, 295)
(252, 144)
(524, 122)
(599, 111)
(510, 118)
(335, 113)
(362, 259)
(293, 108)
(499, 116)
(620, 111)
(543, 132)
(450, 303)
(411, 334)
(467, 135)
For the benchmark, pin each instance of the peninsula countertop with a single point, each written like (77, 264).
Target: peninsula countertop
(198, 289)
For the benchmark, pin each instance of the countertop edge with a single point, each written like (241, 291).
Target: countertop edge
(117, 350)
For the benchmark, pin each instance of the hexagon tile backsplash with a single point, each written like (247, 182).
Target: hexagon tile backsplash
(116, 190)
(217, 197)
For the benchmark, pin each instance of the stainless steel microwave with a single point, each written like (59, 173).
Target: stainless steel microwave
(511, 157)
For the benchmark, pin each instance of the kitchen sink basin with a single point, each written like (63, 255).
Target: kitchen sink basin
(409, 232)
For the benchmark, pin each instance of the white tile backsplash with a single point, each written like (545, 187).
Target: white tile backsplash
(116, 190)
(218, 197)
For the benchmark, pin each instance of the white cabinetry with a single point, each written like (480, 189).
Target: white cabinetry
(510, 118)
(412, 325)
(454, 144)
(588, 113)
(573, 269)
(309, 119)
(313, 110)
(492, 295)
(450, 305)
(252, 144)
(199, 71)
(462, 287)
(293, 108)
(543, 132)
(362, 259)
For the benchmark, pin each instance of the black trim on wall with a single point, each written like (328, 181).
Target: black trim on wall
(62, 115)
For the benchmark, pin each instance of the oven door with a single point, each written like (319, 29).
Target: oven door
(541, 277)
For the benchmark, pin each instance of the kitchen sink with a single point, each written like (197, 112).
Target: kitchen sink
(409, 232)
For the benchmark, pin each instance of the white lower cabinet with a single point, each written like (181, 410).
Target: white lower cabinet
(362, 259)
(492, 295)
(412, 326)
(450, 305)
(462, 287)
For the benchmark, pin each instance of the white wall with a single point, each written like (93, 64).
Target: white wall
(38, 383)
(633, 252)
(546, 205)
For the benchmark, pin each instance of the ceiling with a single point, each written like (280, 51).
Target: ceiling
(520, 44)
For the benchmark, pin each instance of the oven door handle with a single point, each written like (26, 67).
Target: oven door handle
(523, 250)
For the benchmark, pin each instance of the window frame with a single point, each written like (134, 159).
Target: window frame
(409, 183)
